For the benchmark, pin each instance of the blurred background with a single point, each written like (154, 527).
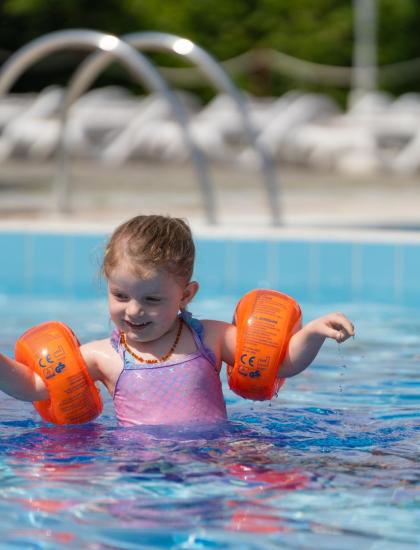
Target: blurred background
(331, 92)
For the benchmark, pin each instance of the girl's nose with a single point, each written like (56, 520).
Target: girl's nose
(134, 309)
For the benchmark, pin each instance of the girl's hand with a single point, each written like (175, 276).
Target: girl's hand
(305, 344)
(332, 325)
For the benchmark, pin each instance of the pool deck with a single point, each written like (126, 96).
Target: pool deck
(313, 204)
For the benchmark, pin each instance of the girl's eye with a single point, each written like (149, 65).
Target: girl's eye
(153, 299)
(120, 297)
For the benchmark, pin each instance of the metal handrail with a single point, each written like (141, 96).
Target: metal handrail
(97, 62)
(138, 64)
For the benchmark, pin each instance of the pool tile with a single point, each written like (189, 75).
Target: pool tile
(378, 272)
(51, 268)
(410, 274)
(212, 268)
(250, 265)
(69, 264)
(13, 271)
(86, 259)
(292, 261)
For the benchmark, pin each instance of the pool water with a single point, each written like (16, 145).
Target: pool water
(331, 463)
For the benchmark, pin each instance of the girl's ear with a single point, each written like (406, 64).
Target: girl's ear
(190, 291)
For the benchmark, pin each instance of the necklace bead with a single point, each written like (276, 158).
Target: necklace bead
(162, 359)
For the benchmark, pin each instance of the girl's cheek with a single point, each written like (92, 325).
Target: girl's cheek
(114, 310)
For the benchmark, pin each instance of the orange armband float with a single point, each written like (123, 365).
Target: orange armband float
(52, 351)
(265, 321)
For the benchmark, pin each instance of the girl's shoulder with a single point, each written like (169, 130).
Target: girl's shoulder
(206, 328)
(216, 327)
(100, 357)
(220, 337)
(96, 346)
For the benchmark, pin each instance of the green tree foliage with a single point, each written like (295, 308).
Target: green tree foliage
(320, 31)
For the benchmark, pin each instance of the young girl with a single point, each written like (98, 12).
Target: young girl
(160, 365)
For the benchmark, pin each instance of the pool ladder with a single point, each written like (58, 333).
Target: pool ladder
(125, 50)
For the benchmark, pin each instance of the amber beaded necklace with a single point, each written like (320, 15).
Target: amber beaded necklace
(165, 357)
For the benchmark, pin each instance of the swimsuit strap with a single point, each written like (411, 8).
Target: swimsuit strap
(116, 342)
(197, 331)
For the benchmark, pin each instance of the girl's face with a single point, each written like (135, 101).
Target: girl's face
(145, 307)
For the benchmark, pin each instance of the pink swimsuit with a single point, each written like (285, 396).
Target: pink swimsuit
(181, 391)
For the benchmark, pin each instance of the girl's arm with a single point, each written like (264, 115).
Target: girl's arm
(220, 337)
(103, 362)
(305, 344)
(20, 381)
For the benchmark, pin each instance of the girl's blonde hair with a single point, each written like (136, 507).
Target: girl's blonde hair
(159, 242)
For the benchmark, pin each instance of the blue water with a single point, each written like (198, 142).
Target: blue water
(332, 463)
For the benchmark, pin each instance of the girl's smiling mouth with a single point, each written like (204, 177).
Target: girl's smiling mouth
(137, 326)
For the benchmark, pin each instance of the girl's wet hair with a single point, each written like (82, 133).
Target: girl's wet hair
(157, 242)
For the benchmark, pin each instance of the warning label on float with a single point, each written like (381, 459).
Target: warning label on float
(263, 327)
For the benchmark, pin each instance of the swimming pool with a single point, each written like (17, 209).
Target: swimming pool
(331, 463)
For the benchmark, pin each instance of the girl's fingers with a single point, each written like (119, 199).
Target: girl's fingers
(341, 336)
(334, 334)
(341, 323)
